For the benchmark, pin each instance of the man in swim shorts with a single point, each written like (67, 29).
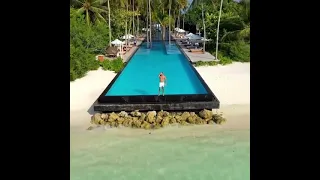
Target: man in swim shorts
(162, 83)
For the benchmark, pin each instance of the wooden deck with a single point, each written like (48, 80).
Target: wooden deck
(195, 57)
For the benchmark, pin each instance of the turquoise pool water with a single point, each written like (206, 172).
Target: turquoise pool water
(140, 76)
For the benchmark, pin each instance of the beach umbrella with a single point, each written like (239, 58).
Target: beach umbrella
(117, 42)
(190, 34)
(128, 36)
(194, 37)
(181, 31)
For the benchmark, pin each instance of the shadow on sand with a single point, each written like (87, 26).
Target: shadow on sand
(90, 110)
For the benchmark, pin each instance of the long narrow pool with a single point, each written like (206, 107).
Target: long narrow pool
(137, 85)
(141, 75)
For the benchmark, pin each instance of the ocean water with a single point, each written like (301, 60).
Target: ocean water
(197, 153)
(141, 75)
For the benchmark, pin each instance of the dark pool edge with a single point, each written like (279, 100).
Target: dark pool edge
(183, 106)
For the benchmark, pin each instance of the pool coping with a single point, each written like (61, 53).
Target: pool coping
(154, 102)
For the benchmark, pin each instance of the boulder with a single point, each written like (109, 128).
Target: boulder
(142, 117)
(210, 122)
(96, 119)
(90, 128)
(123, 114)
(172, 120)
(151, 116)
(185, 116)
(135, 113)
(104, 116)
(159, 119)
(219, 119)
(206, 114)
(165, 122)
(113, 117)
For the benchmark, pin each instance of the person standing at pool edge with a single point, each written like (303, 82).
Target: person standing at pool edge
(162, 83)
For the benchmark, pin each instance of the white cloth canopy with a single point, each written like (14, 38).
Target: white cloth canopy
(181, 31)
(203, 39)
(117, 42)
(128, 36)
(190, 34)
(194, 37)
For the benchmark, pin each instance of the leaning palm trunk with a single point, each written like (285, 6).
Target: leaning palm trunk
(150, 23)
(126, 35)
(133, 30)
(169, 22)
(204, 30)
(218, 30)
(147, 25)
(109, 23)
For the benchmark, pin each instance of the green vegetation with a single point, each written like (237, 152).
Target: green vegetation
(92, 21)
(234, 30)
(115, 65)
(224, 60)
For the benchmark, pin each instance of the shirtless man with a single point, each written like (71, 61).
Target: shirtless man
(162, 83)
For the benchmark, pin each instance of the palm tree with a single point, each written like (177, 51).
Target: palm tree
(150, 23)
(204, 29)
(92, 9)
(109, 19)
(217, 43)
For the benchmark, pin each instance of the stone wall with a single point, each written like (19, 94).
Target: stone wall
(154, 120)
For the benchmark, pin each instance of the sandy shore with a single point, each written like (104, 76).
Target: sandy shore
(231, 84)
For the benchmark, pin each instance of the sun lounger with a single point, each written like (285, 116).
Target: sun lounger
(196, 51)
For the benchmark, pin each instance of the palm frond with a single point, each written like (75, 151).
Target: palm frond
(100, 17)
(97, 10)
(81, 10)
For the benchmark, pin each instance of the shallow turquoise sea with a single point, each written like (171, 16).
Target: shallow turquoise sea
(175, 153)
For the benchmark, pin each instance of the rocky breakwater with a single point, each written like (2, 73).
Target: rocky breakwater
(153, 119)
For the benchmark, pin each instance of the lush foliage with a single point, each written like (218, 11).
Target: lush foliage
(234, 31)
(223, 61)
(115, 65)
(85, 43)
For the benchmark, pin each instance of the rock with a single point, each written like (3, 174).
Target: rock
(184, 123)
(172, 120)
(151, 116)
(123, 114)
(113, 117)
(113, 124)
(165, 114)
(178, 118)
(159, 119)
(90, 128)
(165, 122)
(198, 120)
(206, 114)
(192, 113)
(120, 120)
(179, 113)
(96, 119)
(160, 113)
(192, 118)
(104, 116)
(142, 117)
(210, 122)
(157, 126)
(135, 113)
(184, 116)
(145, 125)
(137, 123)
(218, 119)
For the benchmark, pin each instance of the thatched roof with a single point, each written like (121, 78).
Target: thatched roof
(111, 50)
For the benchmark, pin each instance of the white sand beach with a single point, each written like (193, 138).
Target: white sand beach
(230, 83)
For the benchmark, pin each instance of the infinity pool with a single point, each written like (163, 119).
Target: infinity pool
(140, 76)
